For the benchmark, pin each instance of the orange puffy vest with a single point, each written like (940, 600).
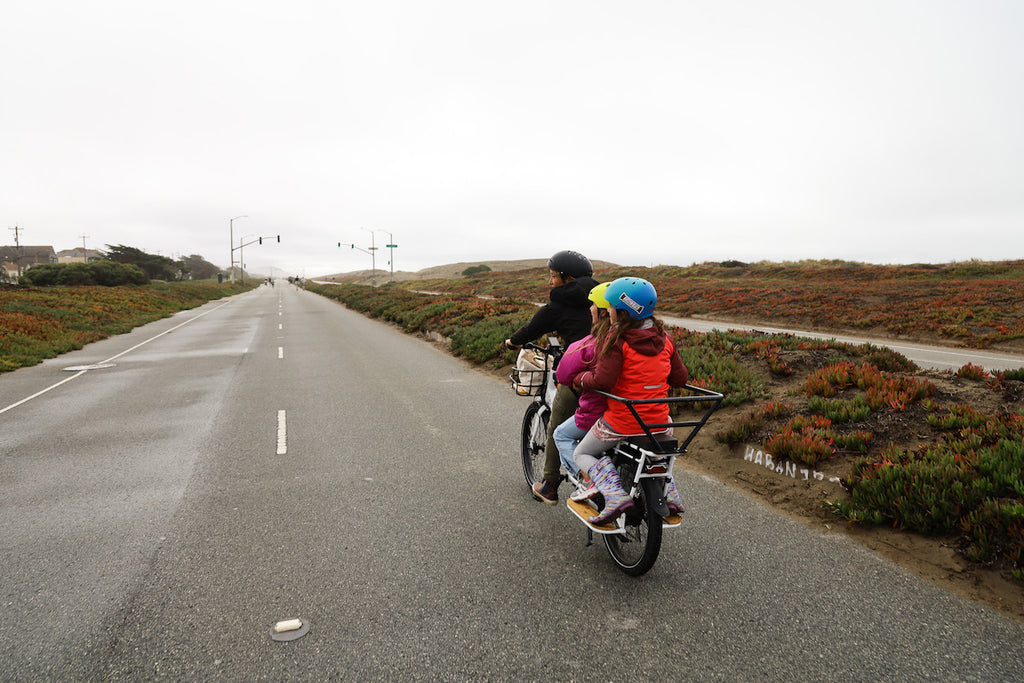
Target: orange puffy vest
(641, 377)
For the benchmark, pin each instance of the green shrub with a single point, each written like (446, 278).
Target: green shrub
(103, 273)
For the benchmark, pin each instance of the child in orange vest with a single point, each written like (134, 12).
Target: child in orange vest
(637, 359)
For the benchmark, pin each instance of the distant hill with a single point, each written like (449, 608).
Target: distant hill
(451, 270)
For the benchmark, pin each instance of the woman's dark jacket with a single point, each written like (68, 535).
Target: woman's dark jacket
(567, 314)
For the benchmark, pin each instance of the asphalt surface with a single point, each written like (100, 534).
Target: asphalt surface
(281, 457)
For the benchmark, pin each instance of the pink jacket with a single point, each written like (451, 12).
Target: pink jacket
(578, 358)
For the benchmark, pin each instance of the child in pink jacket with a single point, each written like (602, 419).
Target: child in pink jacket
(578, 358)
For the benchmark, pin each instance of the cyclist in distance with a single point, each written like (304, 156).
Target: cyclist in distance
(567, 314)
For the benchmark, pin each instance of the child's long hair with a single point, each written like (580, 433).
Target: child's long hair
(625, 323)
(599, 331)
(604, 322)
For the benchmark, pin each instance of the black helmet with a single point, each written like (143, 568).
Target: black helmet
(571, 263)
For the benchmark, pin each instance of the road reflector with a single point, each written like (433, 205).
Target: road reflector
(289, 625)
(289, 629)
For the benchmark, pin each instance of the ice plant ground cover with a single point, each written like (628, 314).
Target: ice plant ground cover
(967, 304)
(892, 434)
(43, 322)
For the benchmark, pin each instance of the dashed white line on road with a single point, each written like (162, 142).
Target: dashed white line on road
(280, 352)
(282, 433)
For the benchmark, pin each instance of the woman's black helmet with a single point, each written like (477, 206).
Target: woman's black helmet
(571, 263)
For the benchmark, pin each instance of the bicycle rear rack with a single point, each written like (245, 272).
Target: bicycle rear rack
(670, 446)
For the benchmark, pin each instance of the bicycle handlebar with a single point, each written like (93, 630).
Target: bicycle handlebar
(551, 350)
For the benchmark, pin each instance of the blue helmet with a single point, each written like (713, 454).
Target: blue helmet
(634, 295)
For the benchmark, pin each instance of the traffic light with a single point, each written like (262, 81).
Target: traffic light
(261, 240)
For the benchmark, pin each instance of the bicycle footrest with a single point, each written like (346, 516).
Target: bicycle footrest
(585, 511)
(672, 520)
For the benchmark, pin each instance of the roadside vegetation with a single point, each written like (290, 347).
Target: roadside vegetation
(974, 304)
(43, 322)
(940, 454)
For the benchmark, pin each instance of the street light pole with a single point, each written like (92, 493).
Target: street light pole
(373, 258)
(231, 227)
(391, 252)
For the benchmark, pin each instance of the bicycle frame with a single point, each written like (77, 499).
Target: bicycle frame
(538, 411)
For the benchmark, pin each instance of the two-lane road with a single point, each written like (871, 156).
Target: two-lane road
(278, 456)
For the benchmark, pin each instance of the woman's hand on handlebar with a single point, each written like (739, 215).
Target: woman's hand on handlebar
(509, 345)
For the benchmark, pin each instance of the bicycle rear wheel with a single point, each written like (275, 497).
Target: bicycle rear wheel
(636, 550)
(534, 437)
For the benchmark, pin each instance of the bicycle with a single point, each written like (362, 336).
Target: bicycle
(644, 463)
(534, 434)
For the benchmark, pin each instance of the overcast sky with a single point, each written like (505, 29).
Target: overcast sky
(641, 132)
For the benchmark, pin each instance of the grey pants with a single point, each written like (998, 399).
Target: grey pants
(590, 449)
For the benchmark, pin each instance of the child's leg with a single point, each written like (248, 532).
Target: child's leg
(566, 436)
(590, 457)
(589, 449)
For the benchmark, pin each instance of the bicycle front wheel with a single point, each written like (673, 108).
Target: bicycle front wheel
(534, 437)
(636, 550)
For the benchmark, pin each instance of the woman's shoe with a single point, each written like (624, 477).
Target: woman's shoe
(546, 491)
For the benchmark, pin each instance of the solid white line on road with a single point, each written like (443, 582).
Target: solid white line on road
(166, 332)
(282, 433)
(40, 393)
(280, 352)
(157, 336)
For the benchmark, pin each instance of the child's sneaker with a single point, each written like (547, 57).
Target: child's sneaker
(585, 492)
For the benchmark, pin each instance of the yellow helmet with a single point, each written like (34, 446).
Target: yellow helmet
(597, 295)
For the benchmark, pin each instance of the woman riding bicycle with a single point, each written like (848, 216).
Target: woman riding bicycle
(637, 360)
(567, 313)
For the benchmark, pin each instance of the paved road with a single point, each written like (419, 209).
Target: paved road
(926, 356)
(157, 517)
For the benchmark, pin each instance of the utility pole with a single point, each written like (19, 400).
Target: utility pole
(85, 254)
(17, 248)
